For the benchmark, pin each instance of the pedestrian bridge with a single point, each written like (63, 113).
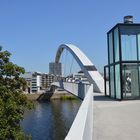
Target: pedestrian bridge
(90, 71)
(78, 89)
(82, 127)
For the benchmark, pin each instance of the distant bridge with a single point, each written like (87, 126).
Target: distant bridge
(78, 89)
(82, 127)
(85, 64)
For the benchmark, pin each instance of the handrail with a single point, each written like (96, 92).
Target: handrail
(82, 127)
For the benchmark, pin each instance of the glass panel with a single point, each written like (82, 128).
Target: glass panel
(139, 78)
(117, 80)
(139, 46)
(110, 48)
(129, 47)
(130, 81)
(107, 80)
(116, 44)
(112, 81)
(129, 39)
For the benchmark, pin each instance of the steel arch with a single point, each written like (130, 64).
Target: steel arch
(86, 65)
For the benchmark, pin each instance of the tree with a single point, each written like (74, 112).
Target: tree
(12, 102)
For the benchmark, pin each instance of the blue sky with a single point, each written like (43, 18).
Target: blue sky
(32, 30)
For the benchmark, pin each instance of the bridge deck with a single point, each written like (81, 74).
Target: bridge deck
(116, 120)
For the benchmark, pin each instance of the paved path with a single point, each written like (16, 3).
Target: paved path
(116, 120)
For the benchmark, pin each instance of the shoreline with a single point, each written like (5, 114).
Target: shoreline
(50, 96)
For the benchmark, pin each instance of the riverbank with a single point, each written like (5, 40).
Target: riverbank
(59, 95)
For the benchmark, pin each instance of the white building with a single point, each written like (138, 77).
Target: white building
(78, 77)
(38, 82)
(34, 81)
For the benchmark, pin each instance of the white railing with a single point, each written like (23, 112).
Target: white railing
(78, 89)
(82, 127)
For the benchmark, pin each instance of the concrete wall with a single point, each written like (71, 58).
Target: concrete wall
(82, 127)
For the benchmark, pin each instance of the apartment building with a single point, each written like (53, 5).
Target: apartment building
(33, 80)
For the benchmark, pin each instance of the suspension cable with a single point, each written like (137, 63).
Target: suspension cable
(65, 62)
(71, 65)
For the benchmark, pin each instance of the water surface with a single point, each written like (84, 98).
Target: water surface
(50, 120)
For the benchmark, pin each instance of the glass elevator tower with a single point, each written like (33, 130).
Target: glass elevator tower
(122, 74)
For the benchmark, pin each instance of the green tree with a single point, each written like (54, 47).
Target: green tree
(12, 102)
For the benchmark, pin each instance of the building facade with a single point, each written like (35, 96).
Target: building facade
(77, 78)
(34, 81)
(47, 79)
(55, 68)
(39, 82)
(122, 74)
(80, 77)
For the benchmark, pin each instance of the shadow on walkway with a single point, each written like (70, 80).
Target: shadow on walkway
(101, 98)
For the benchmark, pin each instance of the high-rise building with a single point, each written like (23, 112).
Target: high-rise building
(55, 68)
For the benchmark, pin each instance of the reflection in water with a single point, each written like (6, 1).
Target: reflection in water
(50, 120)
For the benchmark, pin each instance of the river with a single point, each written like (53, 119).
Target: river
(50, 120)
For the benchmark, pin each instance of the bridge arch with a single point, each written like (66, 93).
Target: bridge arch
(85, 64)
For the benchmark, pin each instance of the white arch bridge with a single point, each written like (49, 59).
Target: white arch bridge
(82, 127)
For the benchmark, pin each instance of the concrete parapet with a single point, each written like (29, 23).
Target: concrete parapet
(77, 89)
(82, 127)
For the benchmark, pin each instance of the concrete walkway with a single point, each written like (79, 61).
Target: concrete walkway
(116, 120)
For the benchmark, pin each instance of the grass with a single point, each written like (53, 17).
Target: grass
(65, 97)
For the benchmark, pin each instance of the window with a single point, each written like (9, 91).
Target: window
(110, 48)
(112, 81)
(116, 44)
(130, 42)
(138, 46)
(117, 81)
(129, 47)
